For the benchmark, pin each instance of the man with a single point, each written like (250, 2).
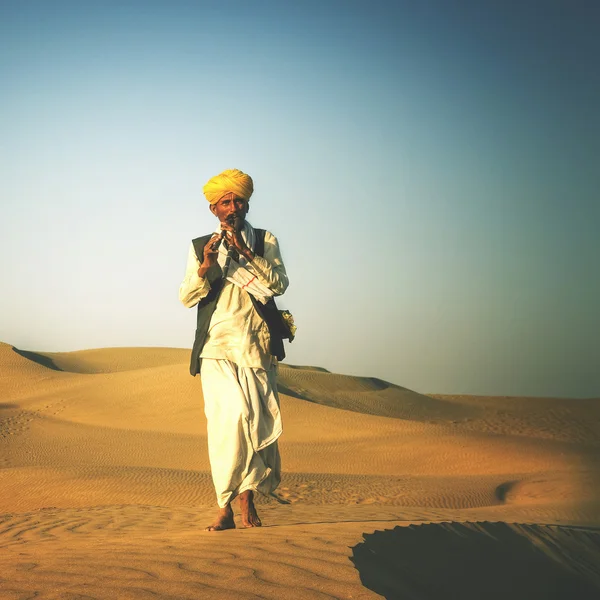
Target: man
(232, 275)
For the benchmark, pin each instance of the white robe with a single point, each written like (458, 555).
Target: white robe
(244, 421)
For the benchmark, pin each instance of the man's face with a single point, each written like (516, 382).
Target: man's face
(229, 207)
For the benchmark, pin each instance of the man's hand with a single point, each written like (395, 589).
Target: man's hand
(211, 252)
(235, 239)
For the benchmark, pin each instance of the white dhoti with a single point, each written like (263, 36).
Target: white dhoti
(242, 410)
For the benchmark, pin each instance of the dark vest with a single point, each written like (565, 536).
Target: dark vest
(206, 307)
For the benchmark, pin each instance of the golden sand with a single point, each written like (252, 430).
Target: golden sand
(106, 488)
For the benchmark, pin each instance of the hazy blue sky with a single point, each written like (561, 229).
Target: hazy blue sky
(431, 168)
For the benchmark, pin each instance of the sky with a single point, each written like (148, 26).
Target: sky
(430, 168)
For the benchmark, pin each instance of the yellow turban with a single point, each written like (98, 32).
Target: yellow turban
(230, 180)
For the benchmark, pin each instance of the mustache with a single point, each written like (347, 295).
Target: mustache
(235, 221)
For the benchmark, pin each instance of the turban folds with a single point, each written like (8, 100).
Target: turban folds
(231, 180)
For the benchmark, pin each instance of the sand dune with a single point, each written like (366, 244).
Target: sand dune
(106, 484)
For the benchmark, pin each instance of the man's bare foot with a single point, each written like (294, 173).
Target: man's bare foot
(250, 517)
(224, 520)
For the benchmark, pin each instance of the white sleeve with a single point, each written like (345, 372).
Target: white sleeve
(193, 288)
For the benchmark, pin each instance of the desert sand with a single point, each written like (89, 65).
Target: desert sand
(106, 488)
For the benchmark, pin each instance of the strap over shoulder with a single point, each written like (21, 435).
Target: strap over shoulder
(259, 246)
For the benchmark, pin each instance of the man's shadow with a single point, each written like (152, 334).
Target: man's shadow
(475, 561)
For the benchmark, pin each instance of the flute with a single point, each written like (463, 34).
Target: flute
(234, 221)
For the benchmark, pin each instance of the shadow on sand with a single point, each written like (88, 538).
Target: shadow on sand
(471, 561)
(40, 359)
